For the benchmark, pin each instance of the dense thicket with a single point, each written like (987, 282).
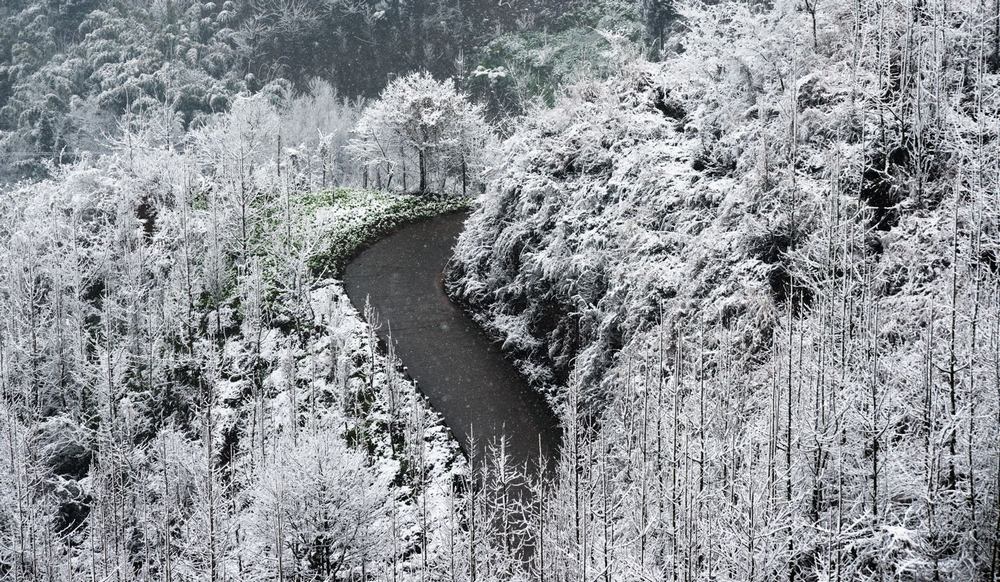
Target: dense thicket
(760, 280)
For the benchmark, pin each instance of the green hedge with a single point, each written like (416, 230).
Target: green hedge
(353, 219)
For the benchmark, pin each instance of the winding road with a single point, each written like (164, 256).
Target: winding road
(461, 371)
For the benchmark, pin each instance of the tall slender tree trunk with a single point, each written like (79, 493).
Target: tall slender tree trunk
(422, 157)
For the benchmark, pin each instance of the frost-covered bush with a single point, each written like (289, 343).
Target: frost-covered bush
(352, 219)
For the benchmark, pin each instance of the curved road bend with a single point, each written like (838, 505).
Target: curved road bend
(462, 372)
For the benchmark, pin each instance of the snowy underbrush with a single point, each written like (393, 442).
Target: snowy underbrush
(754, 278)
(599, 225)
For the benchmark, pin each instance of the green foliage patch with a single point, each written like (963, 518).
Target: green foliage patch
(351, 219)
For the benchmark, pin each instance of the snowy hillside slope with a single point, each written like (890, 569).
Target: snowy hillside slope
(176, 362)
(760, 280)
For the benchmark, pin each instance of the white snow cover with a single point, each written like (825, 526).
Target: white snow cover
(759, 279)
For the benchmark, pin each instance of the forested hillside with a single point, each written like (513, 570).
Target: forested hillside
(185, 394)
(747, 250)
(760, 280)
(70, 68)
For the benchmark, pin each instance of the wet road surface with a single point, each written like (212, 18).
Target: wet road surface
(462, 372)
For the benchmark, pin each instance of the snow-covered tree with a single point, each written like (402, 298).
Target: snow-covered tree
(317, 510)
(419, 121)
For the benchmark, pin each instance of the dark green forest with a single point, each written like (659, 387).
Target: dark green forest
(69, 68)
